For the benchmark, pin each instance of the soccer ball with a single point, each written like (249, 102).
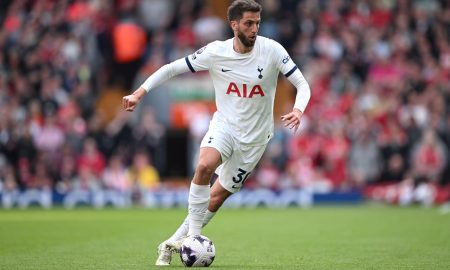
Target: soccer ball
(197, 251)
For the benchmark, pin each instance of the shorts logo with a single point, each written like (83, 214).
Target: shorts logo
(286, 59)
(210, 139)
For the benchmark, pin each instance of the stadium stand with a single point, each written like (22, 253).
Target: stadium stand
(378, 123)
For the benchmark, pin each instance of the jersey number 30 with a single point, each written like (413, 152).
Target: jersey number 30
(241, 177)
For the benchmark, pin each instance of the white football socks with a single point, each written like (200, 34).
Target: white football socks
(182, 231)
(208, 216)
(198, 204)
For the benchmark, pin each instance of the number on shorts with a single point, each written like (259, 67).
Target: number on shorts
(242, 176)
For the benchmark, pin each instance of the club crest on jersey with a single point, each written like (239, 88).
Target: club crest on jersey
(246, 91)
(260, 76)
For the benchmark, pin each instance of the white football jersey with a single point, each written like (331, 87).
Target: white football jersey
(244, 85)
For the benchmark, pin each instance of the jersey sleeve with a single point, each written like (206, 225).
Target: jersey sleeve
(303, 90)
(282, 60)
(164, 73)
(201, 59)
(286, 66)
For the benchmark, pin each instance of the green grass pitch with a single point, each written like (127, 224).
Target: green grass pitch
(325, 237)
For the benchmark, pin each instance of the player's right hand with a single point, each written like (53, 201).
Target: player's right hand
(129, 102)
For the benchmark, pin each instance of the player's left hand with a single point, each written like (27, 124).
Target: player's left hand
(292, 119)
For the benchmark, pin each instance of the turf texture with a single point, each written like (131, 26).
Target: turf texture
(325, 237)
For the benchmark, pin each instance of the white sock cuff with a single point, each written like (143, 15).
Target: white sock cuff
(181, 231)
(207, 218)
(199, 193)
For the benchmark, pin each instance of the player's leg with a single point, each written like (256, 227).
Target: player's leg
(232, 175)
(215, 148)
(199, 193)
(173, 244)
(199, 196)
(218, 197)
(183, 229)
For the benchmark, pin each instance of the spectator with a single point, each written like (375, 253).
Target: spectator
(145, 178)
(38, 183)
(50, 138)
(8, 187)
(129, 40)
(149, 135)
(117, 182)
(155, 14)
(208, 27)
(335, 150)
(85, 189)
(364, 161)
(91, 158)
(267, 175)
(429, 157)
(67, 173)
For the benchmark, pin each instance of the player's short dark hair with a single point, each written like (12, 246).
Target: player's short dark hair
(238, 7)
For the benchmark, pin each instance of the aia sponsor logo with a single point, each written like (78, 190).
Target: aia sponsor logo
(245, 91)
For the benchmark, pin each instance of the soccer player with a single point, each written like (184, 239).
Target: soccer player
(244, 71)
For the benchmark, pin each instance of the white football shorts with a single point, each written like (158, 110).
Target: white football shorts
(238, 160)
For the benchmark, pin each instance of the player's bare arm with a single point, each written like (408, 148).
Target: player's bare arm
(292, 119)
(130, 102)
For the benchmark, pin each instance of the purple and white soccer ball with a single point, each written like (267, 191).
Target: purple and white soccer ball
(197, 251)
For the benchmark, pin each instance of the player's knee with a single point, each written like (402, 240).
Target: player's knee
(204, 170)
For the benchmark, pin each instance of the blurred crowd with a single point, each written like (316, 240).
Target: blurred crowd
(379, 73)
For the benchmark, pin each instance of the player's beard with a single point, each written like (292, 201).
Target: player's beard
(246, 41)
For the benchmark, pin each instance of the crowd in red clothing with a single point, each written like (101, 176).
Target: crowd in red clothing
(379, 73)
(379, 112)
